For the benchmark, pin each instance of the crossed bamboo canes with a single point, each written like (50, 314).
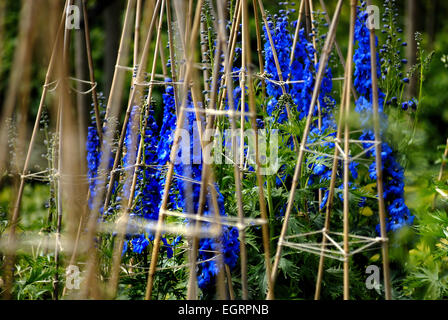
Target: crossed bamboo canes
(115, 267)
(204, 184)
(16, 208)
(252, 108)
(60, 128)
(111, 108)
(116, 83)
(123, 222)
(343, 122)
(176, 140)
(207, 182)
(207, 176)
(10, 257)
(118, 247)
(61, 84)
(112, 113)
(189, 70)
(323, 62)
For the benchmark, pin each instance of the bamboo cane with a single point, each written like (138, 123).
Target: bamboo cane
(91, 70)
(296, 34)
(98, 122)
(259, 51)
(379, 165)
(229, 283)
(307, 20)
(319, 109)
(138, 12)
(260, 182)
(347, 150)
(331, 189)
(94, 94)
(277, 65)
(204, 48)
(188, 21)
(114, 83)
(192, 293)
(114, 99)
(10, 257)
(274, 54)
(232, 39)
(17, 87)
(207, 172)
(118, 248)
(174, 76)
(214, 197)
(221, 36)
(236, 168)
(243, 96)
(62, 100)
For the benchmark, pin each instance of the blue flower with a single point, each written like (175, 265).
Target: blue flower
(139, 244)
(353, 169)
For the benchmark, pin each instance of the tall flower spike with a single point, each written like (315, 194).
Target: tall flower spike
(399, 214)
(93, 159)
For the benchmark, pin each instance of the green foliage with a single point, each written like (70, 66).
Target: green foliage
(428, 261)
(34, 277)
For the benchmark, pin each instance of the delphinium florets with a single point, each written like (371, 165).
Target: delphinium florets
(187, 190)
(299, 89)
(93, 151)
(393, 173)
(394, 79)
(147, 195)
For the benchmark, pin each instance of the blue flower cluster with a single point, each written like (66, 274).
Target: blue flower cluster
(130, 144)
(301, 74)
(93, 158)
(393, 173)
(166, 134)
(146, 195)
(149, 188)
(189, 190)
(208, 248)
(93, 150)
(282, 44)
